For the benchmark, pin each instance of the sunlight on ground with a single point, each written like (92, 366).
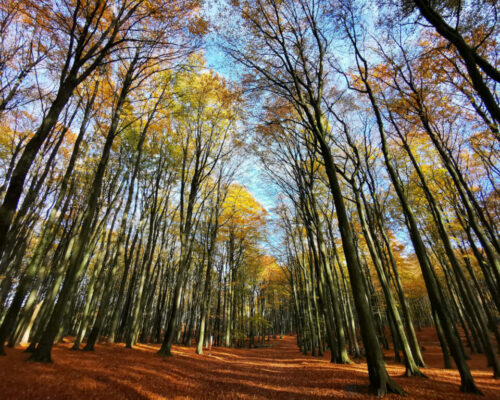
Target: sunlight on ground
(279, 371)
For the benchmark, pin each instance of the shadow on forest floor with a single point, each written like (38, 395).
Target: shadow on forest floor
(275, 370)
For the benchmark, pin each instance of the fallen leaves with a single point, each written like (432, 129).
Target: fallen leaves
(278, 371)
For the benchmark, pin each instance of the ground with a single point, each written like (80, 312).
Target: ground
(275, 371)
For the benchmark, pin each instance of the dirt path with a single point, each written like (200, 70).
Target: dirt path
(277, 371)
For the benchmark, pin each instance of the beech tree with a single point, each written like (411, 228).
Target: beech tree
(336, 179)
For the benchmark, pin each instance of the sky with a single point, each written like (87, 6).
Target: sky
(250, 173)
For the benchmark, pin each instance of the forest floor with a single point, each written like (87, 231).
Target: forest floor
(276, 371)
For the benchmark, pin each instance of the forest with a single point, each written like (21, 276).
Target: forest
(249, 199)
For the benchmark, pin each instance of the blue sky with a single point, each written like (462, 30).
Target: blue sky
(250, 173)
